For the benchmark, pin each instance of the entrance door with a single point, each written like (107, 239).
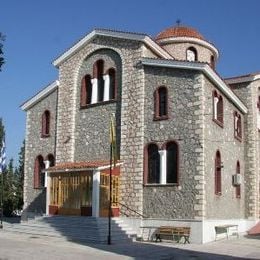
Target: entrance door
(71, 193)
(104, 194)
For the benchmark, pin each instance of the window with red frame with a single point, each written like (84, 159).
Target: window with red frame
(172, 162)
(161, 103)
(218, 167)
(46, 117)
(39, 175)
(218, 108)
(237, 125)
(152, 164)
(51, 159)
(238, 187)
(98, 74)
(112, 83)
(86, 91)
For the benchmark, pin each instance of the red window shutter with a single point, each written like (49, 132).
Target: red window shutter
(220, 109)
(83, 96)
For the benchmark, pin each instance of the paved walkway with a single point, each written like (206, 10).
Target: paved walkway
(20, 246)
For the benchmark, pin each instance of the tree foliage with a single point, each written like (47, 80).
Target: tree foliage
(2, 61)
(12, 181)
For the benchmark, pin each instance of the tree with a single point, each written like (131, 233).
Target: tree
(12, 181)
(19, 176)
(2, 61)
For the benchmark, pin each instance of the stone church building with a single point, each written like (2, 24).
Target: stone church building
(187, 139)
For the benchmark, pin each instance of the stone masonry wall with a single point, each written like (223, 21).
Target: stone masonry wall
(226, 205)
(92, 123)
(69, 146)
(185, 127)
(248, 93)
(178, 51)
(35, 199)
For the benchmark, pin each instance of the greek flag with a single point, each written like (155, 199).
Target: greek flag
(2, 158)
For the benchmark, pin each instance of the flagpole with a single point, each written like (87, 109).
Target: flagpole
(110, 198)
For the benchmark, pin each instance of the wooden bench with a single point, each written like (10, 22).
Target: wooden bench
(226, 229)
(175, 233)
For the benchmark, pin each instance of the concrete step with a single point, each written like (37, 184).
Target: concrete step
(84, 229)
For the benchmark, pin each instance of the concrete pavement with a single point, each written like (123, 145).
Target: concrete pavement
(21, 246)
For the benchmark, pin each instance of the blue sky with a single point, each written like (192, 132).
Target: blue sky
(37, 32)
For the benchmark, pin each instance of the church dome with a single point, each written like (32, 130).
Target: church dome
(187, 44)
(179, 31)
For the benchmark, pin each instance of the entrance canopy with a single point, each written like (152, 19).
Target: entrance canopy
(82, 188)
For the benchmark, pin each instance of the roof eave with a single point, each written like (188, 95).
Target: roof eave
(120, 35)
(237, 80)
(39, 96)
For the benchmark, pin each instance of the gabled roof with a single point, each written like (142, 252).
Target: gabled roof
(115, 34)
(40, 95)
(206, 69)
(243, 78)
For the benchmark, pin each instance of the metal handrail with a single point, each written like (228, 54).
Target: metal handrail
(136, 212)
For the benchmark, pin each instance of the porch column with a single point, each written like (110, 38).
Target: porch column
(94, 97)
(106, 88)
(163, 165)
(47, 182)
(95, 193)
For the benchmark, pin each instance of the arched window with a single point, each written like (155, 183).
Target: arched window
(112, 83)
(161, 103)
(218, 173)
(212, 62)
(191, 54)
(39, 175)
(237, 125)
(218, 108)
(238, 187)
(51, 160)
(86, 91)
(152, 164)
(172, 162)
(46, 116)
(98, 74)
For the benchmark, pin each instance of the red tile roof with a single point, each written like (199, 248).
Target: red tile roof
(179, 31)
(79, 165)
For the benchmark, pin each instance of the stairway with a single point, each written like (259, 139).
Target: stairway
(74, 228)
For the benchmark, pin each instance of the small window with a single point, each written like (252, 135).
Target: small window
(98, 74)
(161, 103)
(237, 126)
(46, 123)
(51, 160)
(191, 54)
(218, 108)
(152, 164)
(39, 175)
(238, 187)
(218, 167)
(172, 162)
(212, 62)
(112, 83)
(86, 91)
